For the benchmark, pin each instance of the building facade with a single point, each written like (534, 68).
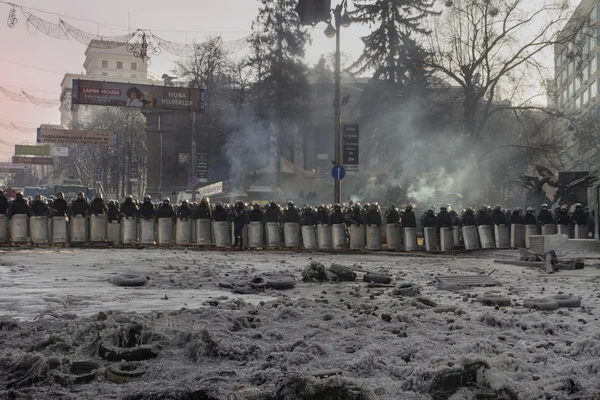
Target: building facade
(576, 86)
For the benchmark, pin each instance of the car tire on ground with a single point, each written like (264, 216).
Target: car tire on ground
(567, 301)
(546, 304)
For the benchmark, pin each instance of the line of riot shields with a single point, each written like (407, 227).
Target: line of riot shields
(335, 227)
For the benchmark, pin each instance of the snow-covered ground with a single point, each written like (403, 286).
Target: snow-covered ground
(59, 306)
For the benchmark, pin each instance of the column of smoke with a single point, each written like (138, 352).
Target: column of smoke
(250, 149)
(444, 154)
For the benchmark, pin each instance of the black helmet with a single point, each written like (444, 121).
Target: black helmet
(356, 207)
(80, 195)
(256, 206)
(98, 195)
(409, 207)
(544, 206)
(290, 203)
(166, 200)
(443, 208)
(184, 201)
(38, 197)
(19, 195)
(147, 197)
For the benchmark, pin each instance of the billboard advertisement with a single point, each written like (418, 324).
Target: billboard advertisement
(33, 160)
(25, 150)
(11, 168)
(138, 96)
(48, 135)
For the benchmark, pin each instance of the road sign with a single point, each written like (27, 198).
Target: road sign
(193, 181)
(201, 168)
(350, 145)
(338, 172)
(98, 175)
(133, 171)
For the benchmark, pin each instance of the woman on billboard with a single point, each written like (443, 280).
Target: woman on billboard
(135, 98)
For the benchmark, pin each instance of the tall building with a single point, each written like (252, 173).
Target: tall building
(115, 65)
(576, 84)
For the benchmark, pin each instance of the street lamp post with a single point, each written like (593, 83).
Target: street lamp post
(341, 19)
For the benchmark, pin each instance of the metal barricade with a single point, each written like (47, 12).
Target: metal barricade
(273, 234)
(338, 236)
(357, 237)
(446, 239)
(430, 237)
(222, 235)
(165, 231)
(549, 229)
(255, 234)
(324, 237)
(129, 230)
(98, 228)
(291, 234)
(485, 237)
(4, 238)
(470, 237)
(60, 231)
(517, 236)
(530, 230)
(309, 237)
(38, 228)
(410, 239)
(581, 231)
(183, 231)
(564, 230)
(502, 236)
(203, 232)
(18, 228)
(147, 228)
(393, 237)
(373, 236)
(79, 229)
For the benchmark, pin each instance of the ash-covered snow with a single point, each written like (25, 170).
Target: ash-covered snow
(61, 306)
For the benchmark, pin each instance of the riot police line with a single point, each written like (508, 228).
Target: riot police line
(334, 227)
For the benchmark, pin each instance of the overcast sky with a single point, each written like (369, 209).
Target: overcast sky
(179, 21)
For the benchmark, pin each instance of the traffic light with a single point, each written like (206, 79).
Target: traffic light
(311, 12)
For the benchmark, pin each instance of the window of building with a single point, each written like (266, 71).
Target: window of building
(585, 73)
(593, 65)
(593, 90)
(570, 68)
(562, 97)
(134, 66)
(105, 74)
(577, 82)
(134, 75)
(585, 96)
(577, 103)
(563, 76)
(119, 74)
(104, 63)
(570, 89)
(119, 64)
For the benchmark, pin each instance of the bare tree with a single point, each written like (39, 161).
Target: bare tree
(130, 128)
(493, 50)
